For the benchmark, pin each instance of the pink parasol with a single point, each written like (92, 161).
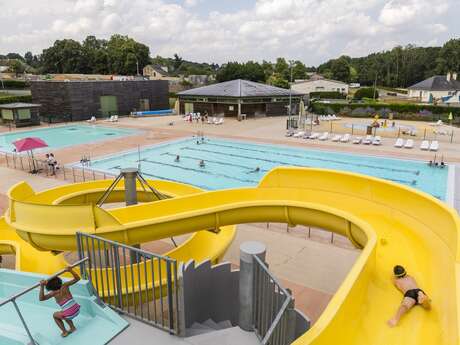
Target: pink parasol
(29, 144)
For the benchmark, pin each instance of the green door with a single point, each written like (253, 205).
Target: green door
(109, 105)
(188, 107)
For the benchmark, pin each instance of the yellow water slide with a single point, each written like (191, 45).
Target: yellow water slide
(392, 223)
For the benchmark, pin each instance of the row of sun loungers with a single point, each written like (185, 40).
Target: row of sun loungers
(424, 146)
(328, 118)
(367, 140)
(113, 118)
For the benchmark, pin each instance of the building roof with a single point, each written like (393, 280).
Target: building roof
(320, 79)
(437, 83)
(239, 88)
(19, 105)
(158, 69)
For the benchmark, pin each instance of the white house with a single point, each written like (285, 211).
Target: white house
(438, 88)
(320, 85)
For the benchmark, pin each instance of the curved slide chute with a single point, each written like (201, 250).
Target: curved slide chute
(392, 223)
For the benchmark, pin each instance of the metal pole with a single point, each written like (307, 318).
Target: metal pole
(130, 177)
(24, 322)
(246, 283)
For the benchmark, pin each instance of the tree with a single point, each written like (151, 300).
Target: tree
(16, 66)
(340, 69)
(278, 81)
(177, 62)
(234, 70)
(282, 68)
(65, 56)
(125, 53)
(14, 56)
(299, 71)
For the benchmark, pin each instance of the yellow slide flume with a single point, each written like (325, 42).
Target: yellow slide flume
(393, 224)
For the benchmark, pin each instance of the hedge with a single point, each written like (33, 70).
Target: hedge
(400, 111)
(366, 92)
(15, 84)
(328, 95)
(14, 99)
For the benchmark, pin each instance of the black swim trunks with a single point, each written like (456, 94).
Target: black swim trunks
(413, 294)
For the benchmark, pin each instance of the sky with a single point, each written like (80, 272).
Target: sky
(312, 31)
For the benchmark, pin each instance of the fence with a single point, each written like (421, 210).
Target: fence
(13, 299)
(272, 306)
(73, 173)
(132, 281)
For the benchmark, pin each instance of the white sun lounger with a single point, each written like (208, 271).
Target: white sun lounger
(357, 140)
(409, 144)
(434, 145)
(92, 119)
(425, 145)
(368, 140)
(377, 140)
(336, 138)
(314, 135)
(299, 134)
(220, 121)
(324, 136)
(345, 138)
(399, 143)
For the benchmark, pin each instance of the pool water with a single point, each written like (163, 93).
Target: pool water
(62, 136)
(96, 324)
(231, 164)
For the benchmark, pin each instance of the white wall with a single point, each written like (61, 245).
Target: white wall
(321, 85)
(424, 96)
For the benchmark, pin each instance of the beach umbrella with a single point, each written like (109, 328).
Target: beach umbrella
(30, 144)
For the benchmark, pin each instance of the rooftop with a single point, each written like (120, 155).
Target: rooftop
(239, 88)
(19, 105)
(437, 83)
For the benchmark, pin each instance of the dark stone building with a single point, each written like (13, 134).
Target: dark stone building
(79, 100)
(239, 97)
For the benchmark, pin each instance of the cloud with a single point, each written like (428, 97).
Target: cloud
(310, 30)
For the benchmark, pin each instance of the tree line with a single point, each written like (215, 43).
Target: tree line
(398, 67)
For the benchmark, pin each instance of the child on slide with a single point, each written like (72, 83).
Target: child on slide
(61, 293)
(412, 294)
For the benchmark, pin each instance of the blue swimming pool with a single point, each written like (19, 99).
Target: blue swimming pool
(230, 164)
(62, 136)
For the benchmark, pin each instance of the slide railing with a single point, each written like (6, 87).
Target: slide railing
(132, 281)
(12, 299)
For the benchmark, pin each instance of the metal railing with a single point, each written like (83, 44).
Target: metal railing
(132, 281)
(13, 299)
(271, 307)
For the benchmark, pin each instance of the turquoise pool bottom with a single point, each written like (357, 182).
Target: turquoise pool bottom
(63, 136)
(96, 324)
(233, 164)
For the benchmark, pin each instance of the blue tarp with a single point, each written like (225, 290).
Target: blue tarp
(154, 112)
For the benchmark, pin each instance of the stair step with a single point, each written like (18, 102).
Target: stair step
(225, 324)
(229, 336)
(211, 324)
(201, 326)
(191, 332)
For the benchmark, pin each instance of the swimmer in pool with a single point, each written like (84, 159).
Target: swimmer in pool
(202, 165)
(177, 158)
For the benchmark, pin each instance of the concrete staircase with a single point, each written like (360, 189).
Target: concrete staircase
(207, 326)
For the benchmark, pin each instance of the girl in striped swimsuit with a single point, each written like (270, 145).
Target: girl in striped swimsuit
(61, 293)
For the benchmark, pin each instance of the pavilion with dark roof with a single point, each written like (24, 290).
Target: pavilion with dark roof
(239, 97)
